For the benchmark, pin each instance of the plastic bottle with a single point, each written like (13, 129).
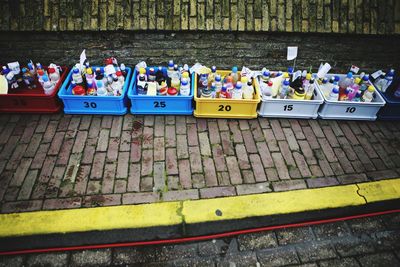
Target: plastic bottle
(53, 75)
(40, 74)
(324, 87)
(116, 87)
(306, 81)
(211, 76)
(185, 77)
(397, 92)
(76, 76)
(89, 75)
(235, 75)
(32, 68)
(224, 92)
(285, 89)
(152, 75)
(299, 93)
(290, 72)
(218, 85)
(343, 94)
(123, 69)
(213, 90)
(229, 85)
(48, 87)
(265, 76)
(364, 84)
(237, 93)
(353, 89)
(142, 85)
(310, 90)
(185, 88)
(369, 94)
(172, 91)
(267, 92)
(91, 89)
(387, 81)
(334, 95)
(346, 82)
(248, 89)
(142, 71)
(162, 89)
(101, 89)
(120, 78)
(170, 70)
(160, 76)
(357, 97)
(28, 78)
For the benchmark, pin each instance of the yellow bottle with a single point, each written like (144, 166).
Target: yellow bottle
(299, 94)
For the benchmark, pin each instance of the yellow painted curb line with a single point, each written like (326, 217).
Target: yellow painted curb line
(195, 211)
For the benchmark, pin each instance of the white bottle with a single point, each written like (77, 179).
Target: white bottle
(218, 85)
(368, 95)
(53, 75)
(237, 92)
(185, 88)
(235, 74)
(267, 90)
(248, 89)
(76, 76)
(48, 86)
(334, 95)
(116, 87)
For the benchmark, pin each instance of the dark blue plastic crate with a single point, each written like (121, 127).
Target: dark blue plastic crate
(111, 105)
(160, 105)
(391, 111)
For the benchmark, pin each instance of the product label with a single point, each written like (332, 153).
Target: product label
(354, 69)
(376, 74)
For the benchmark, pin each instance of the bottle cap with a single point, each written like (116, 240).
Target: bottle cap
(115, 79)
(286, 82)
(45, 78)
(213, 85)
(234, 69)
(175, 66)
(213, 69)
(371, 88)
(238, 85)
(108, 61)
(350, 75)
(335, 90)
(266, 73)
(184, 82)
(308, 76)
(74, 71)
(229, 79)
(358, 94)
(89, 71)
(98, 70)
(285, 75)
(324, 80)
(337, 78)
(270, 83)
(122, 66)
(119, 73)
(185, 74)
(391, 73)
(142, 71)
(312, 80)
(366, 77)
(151, 70)
(290, 70)
(244, 79)
(357, 80)
(171, 63)
(30, 66)
(24, 70)
(99, 83)
(218, 78)
(223, 88)
(50, 70)
(41, 72)
(172, 91)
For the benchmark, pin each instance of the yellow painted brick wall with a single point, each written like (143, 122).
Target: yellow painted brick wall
(325, 16)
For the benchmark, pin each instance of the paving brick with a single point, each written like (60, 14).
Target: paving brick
(364, 158)
(159, 149)
(205, 148)
(280, 256)
(248, 176)
(233, 169)
(42, 125)
(244, 125)
(16, 156)
(258, 169)
(223, 124)
(182, 147)
(159, 176)
(379, 165)
(219, 159)
(242, 157)
(21, 206)
(328, 151)
(173, 182)
(120, 186)
(33, 145)
(170, 119)
(112, 151)
(311, 138)
(326, 168)
(101, 200)
(116, 126)
(280, 166)
(50, 131)
(9, 147)
(147, 138)
(146, 184)
(28, 132)
(123, 163)
(217, 192)
(272, 174)
(147, 162)
(106, 121)
(277, 130)
(247, 189)
(48, 259)
(381, 175)
(387, 160)
(180, 125)
(235, 131)
(171, 161)
(289, 185)
(102, 143)
(227, 143)
(256, 130)
(80, 142)
(125, 142)
(195, 160)
(352, 178)
(349, 134)
(91, 257)
(93, 187)
(98, 166)
(302, 164)
(185, 174)
(134, 178)
(95, 128)
(64, 122)
(62, 203)
(330, 136)
(344, 162)
(210, 175)
(40, 188)
(214, 133)
(365, 143)
(379, 259)
(315, 251)
(265, 155)
(11, 194)
(65, 152)
(139, 198)
(181, 195)
(298, 235)
(170, 136)
(85, 122)
(201, 125)
(21, 172)
(88, 152)
(322, 182)
(307, 152)
(296, 127)
(136, 149)
(27, 185)
(291, 139)
(192, 135)
(81, 180)
(347, 148)
(249, 141)
(107, 185)
(198, 181)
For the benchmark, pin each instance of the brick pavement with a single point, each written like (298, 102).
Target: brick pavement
(362, 242)
(69, 161)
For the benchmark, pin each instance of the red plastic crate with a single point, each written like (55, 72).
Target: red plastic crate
(25, 100)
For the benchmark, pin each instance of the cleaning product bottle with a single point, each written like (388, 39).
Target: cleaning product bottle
(76, 76)
(218, 85)
(142, 85)
(203, 83)
(53, 75)
(123, 70)
(89, 75)
(91, 89)
(334, 95)
(357, 97)
(101, 90)
(265, 76)
(267, 91)
(224, 93)
(213, 90)
(142, 71)
(237, 93)
(185, 88)
(285, 89)
(388, 80)
(343, 94)
(346, 82)
(116, 87)
(369, 94)
(152, 75)
(160, 76)
(310, 90)
(248, 89)
(211, 76)
(306, 81)
(235, 75)
(28, 78)
(353, 89)
(364, 84)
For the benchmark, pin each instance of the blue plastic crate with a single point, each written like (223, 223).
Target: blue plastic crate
(391, 111)
(111, 105)
(160, 105)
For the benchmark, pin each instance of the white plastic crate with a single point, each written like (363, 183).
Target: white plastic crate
(291, 108)
(348, 110)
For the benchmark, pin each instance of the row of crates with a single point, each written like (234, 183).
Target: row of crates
(26, 101)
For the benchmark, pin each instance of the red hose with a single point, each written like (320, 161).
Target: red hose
(198, 238)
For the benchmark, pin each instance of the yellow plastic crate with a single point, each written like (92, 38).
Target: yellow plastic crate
(226, 108)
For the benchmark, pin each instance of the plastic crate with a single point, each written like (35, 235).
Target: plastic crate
(160, 105)
(391, 111)
(226, 108)
(291, 108)
(347, 110)
(111, 105)
(25, 100)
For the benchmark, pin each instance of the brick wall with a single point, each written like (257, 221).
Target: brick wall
(255, 50)
(322, 16)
